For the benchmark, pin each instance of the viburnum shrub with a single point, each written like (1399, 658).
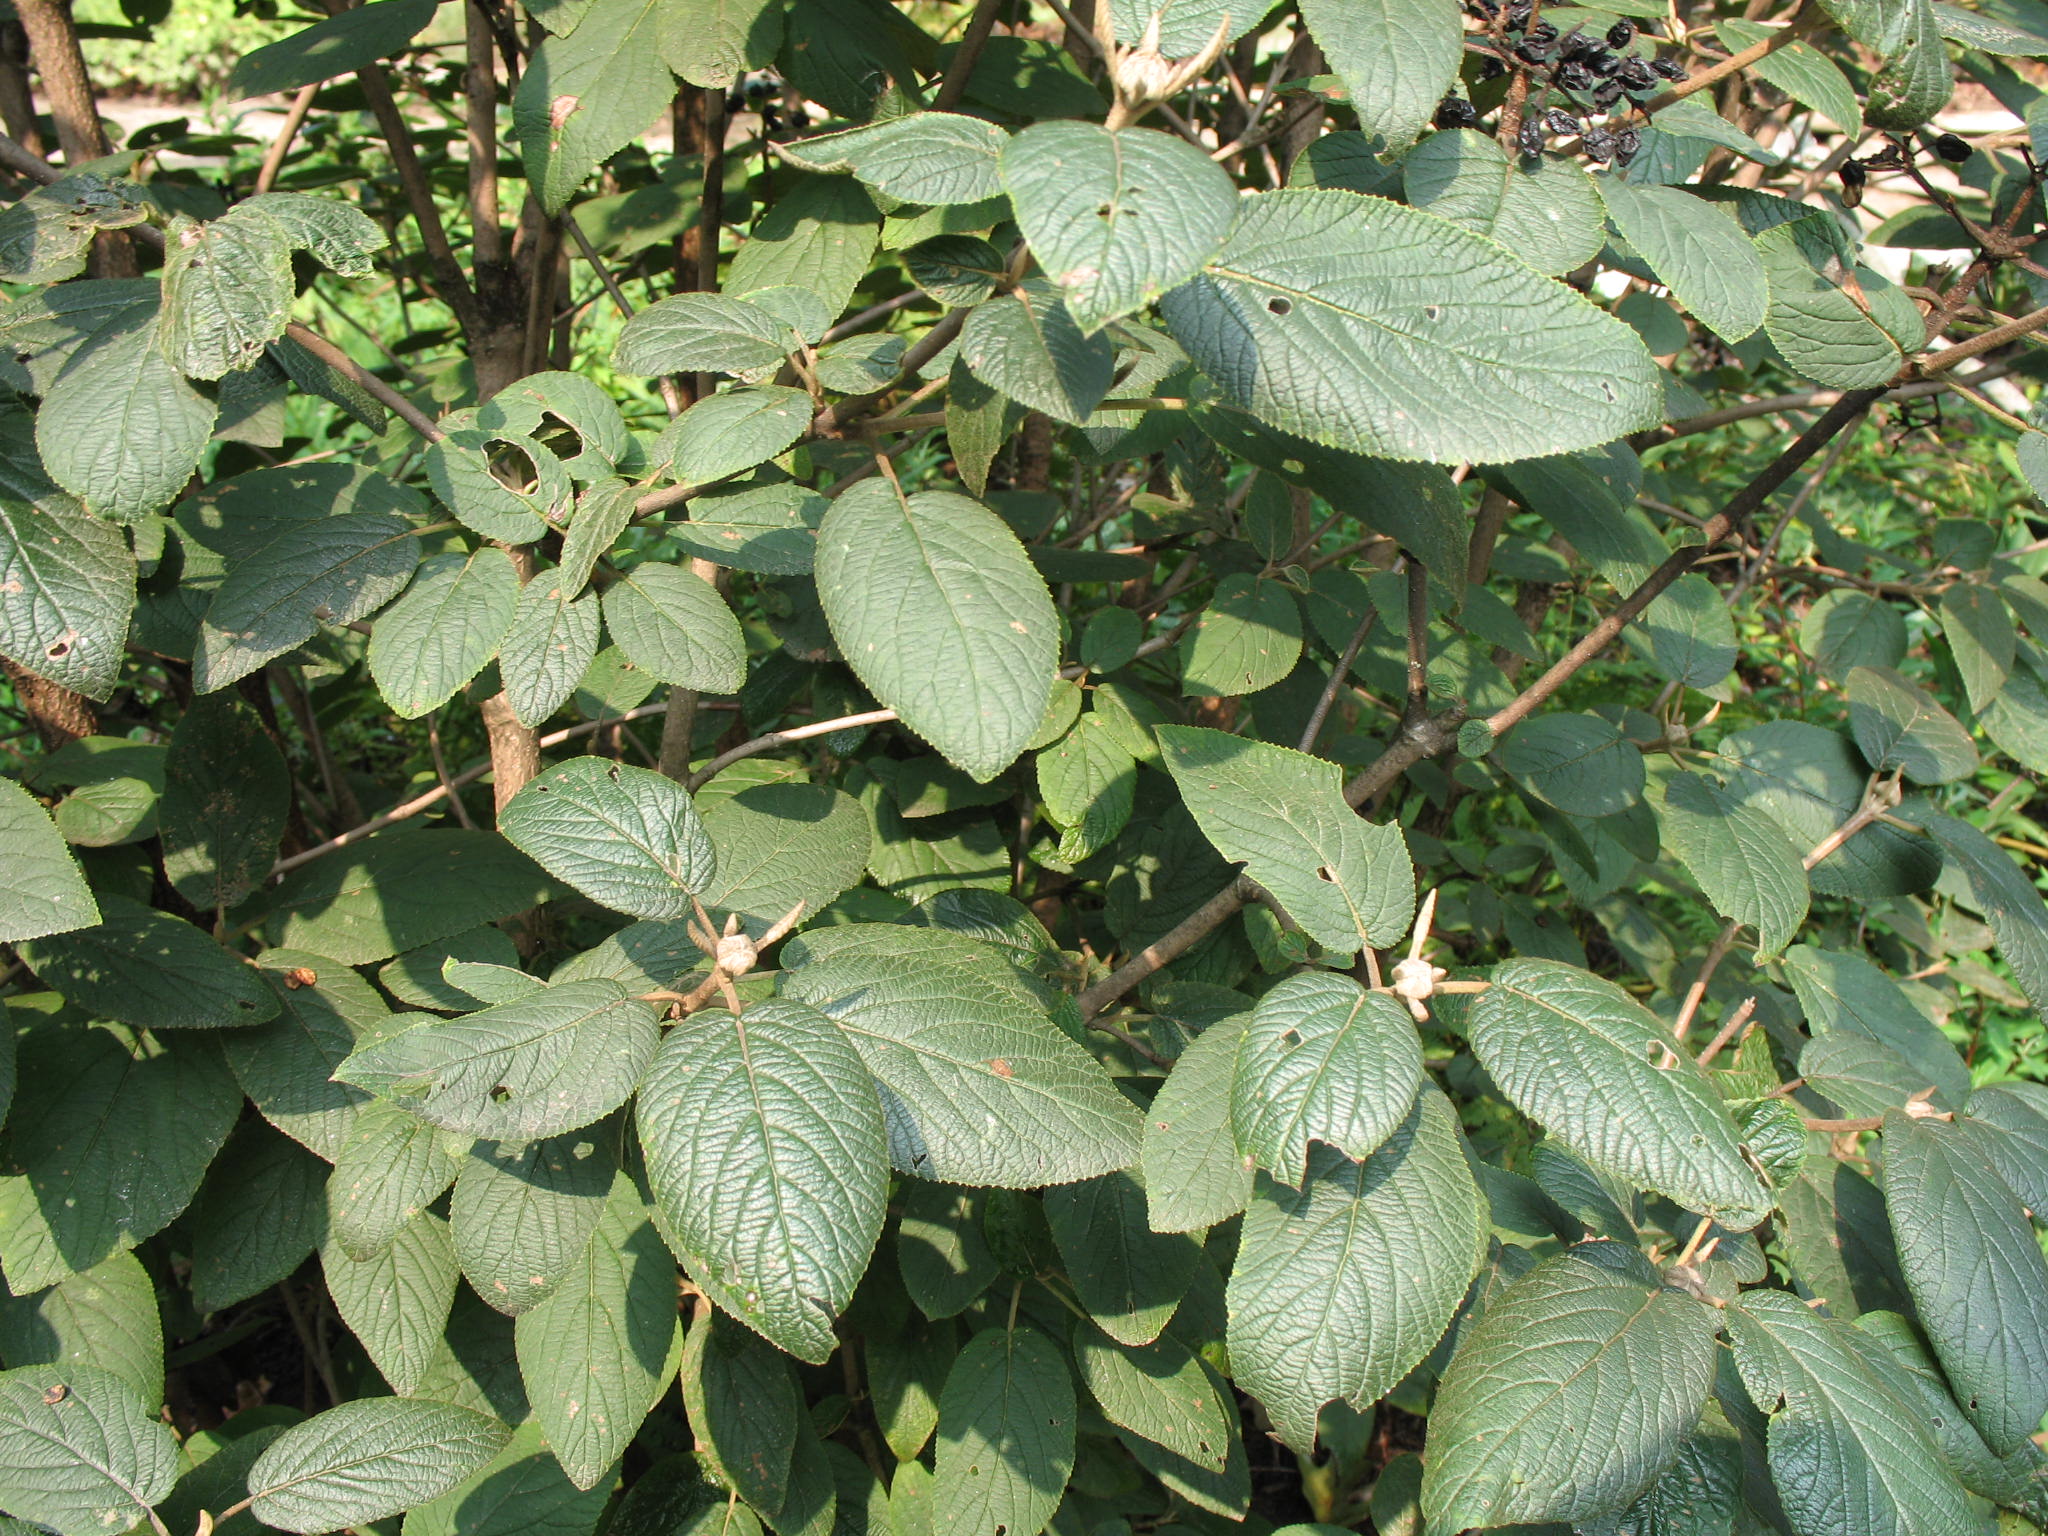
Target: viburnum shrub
(1072, 768)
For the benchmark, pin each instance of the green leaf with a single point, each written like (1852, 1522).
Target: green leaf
(934, 604)
(116, 786)
(367, 1460)
(1586, 1338)
(1978, 627)
(818, 240)
(1847, 1454)
(733, 430)
(459, 468)
(907, 1367)
(44, 893)
(256, 1219)
(767, 528)
(1545, 210)
(930, 158)
(78, 1451)
(1116, 218)
(767, 1153)
(1814, 320)
(673, 625)
(2008, 900)
(549, 647)
(522, 1491)
(626, 837)
(1594, 1067)
(1194, 1174)
(1697, 251)
(339, 234)
(227, 292)
(70, 581)
(1322, 1060)
(743, 1406)
(1698, 1496)
(1915, 83)
(227, 795)
(391, 1166)
(1579, 763)
(1396, 58)
(982, 1087)
(713, 42)
(1031, 349)
(284, 1066)
(1282, 813)
(1861, 1075)
(1742, 859)
(1321, 317)
(1160, 1391)
(147, 968)
(336, 571)
(337, 45)
(120, 428)
(443, 629)
(1844, 630)
(2011, 1121)
(599, 1352)
(1248, 637)
(1809, 781)
(940, 1250)
(1227, 1492)
(522, 1212)
(396, 1302)
(588, 94)
(1006, 1436)
(111, 1133)
(1803, 72)
(1899, 725)
(105, 1318)
(1343, 1286)
(549, 1063)
(703, 332)
(1843, 993)
(783, 844)
(1976, 1273)
(1129, 1277)
(1089, 782)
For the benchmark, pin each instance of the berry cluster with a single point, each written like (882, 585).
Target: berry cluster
(1593, 73)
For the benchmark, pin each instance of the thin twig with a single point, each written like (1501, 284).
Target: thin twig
(1725, 1036)
(288, 130)
(967, 55)
(1338, 674)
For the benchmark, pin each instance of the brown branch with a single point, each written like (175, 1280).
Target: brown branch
(1418, 641)
(53, 42)
(1725, 1036)
(449, 281)
(774, 739)
(1338, 674)
(967, 55)
(341, 362)
(1735, 62)
(480, 121)
(288, 130)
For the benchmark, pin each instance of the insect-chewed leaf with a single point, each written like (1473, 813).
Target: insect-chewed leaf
(1386, 330)
(78, 1451)
(548, 1063)
(1129, 1277)
(1195, 1176)
(1322, 1060)
(522, 1212)
(1341, 1287)
(1595, 1068)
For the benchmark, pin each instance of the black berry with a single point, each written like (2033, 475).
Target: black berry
(1621, 34)
(1519, 13)
(1952, 149)
(1563, 124)
(1491, 68)
(1606, 94)
(1542, 32)
(1574, 77)
(1670, 69)
(1852, 173)
(1598, 145)
(1635, 74)
(1455, 112)
(1532, 52)
(1576, 45)
(1626, 143)
(1603, 64)
(1530, 139)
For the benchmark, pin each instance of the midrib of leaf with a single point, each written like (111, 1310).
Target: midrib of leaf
(1586, 1365)
(524, 1041)
(789, 1245)
(329, 570)
(955, 1062)
(70, 1452)
(1322, 1069)
(332, 1469)
(597, 813)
